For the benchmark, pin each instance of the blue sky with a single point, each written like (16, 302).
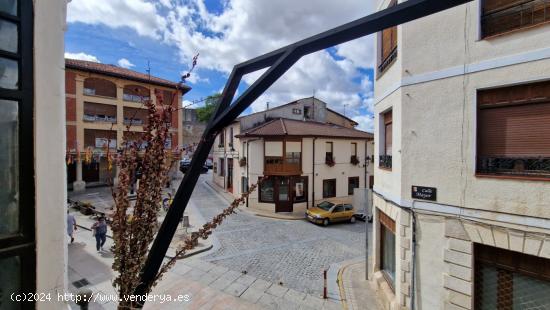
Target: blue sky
(167, 33)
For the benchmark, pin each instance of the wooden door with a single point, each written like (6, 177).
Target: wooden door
(283, 199)
(230, 175)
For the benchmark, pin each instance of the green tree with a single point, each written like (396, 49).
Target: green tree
(210, 104)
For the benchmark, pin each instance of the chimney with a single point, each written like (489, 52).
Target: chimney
(267, 106)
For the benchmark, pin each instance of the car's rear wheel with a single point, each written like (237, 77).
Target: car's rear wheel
(352, 219)
(326, 222)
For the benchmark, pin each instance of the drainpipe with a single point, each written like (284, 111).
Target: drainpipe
(247, 162)
(313, 176)
(413, 271)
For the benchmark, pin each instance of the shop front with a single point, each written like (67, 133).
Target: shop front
(284, 192)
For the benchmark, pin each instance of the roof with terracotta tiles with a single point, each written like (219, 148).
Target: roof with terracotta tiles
(114, 71)
(288, 127)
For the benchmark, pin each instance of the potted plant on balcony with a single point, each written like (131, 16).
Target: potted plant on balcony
(242, 161)
(329, 161)
(354, 160)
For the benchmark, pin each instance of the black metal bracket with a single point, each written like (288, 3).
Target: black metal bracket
(278, 61)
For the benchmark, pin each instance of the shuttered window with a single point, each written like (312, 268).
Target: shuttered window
(514, 130)
(501, 16)
(388, 45)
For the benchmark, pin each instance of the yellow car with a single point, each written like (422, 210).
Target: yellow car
(328, 212)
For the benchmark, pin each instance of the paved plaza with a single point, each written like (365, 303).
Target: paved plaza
(255, 262)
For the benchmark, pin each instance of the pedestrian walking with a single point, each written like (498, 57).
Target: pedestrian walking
(71, 225)
(99, 230)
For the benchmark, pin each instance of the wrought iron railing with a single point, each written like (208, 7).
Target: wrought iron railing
(385, 161)
(519, 166)
(388, 61)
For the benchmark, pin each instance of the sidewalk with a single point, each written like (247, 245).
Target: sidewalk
(102, 200)
(280, 215)
(357, 293)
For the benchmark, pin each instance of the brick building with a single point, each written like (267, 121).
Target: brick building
(100, 101)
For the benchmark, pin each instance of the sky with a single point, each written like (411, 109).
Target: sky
(164, 35)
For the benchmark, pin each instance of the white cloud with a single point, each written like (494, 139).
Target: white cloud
(125, 63)
(366, 122)
(140, 15)
(81, 56)
(249, 28)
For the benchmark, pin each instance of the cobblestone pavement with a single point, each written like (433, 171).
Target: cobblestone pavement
(293, 252)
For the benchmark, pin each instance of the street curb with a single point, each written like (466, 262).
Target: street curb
(341, 287)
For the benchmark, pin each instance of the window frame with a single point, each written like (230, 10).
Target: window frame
(357, 179)
(326, 181)
(386, 223)
(23, 243)
(501, 11)
(261, 186)
(331, 153)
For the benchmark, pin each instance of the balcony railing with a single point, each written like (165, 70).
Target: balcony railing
(134, 121)
(514, 166)
(385, 161)
(388, 61)
(89, 91)
(99, 118)
(135, 98)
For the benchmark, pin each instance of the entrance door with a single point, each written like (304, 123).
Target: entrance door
(90, 172)
(283, 199)
(230, 175)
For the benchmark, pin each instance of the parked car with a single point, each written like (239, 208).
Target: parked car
(209, 163)
(185, 164)
(327, 212)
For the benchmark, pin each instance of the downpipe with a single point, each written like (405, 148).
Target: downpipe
(413, 271)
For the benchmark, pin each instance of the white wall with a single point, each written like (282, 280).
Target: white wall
(49, 143)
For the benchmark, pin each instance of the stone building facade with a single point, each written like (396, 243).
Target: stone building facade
(462, 159)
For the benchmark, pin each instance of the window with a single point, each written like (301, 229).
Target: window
(512, 131)
(96, 112)
(267, 190)
(387, 247)
(293, 152)
(231, 137)
(299, 189)
(307, 113)
(353, 182)
(99, 87)
(222, 139)
(505, 279)
(386, 157)
(296, 111)
(388, 46)
(17, 204)
(222, 167)
(135, 93)
(244, 184)
(353, 158)
(501, 16)
(329, 155)
(338, 208)
(329, 188)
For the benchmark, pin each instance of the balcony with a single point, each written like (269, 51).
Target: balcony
(278, 166)
(135, 98)
(99, 118)
(133, 121)
(515, 166)
(385, 162)
(388, 61)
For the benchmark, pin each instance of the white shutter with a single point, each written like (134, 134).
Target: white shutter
(274, 148)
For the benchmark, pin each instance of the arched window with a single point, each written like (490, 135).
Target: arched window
(135, 93)
(99, 87)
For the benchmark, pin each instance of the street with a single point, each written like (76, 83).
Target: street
(294, 252)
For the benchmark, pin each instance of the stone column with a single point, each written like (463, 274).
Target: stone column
(79, 185)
